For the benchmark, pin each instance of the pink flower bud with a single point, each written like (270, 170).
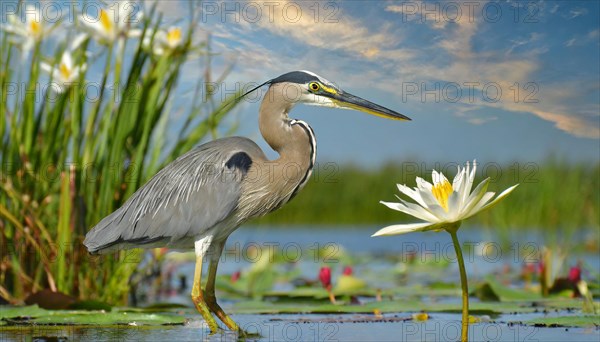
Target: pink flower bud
(325, 276)
(348, 270)
(235, 276)
(575, 274)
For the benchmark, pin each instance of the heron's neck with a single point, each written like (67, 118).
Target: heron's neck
(294, 140)
(276, 127)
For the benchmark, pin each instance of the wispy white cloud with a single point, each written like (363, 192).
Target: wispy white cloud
(583, 39)
(567, 119)
(472, 114)
(568, 123)
(481, 120)
(349, 35)
(533, 37)
(378, 52)
(577, 12)
(326, 44)
(467, 64)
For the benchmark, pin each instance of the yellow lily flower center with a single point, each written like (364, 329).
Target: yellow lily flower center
(107, 24)
(174, 36)
(35, 27)
(441, 191)
(64, 71)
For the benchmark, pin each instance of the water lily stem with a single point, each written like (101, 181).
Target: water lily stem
(331, 296)
(463, 282)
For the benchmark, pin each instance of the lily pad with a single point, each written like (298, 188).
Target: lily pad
(90, 305)
(349, 285)
(485, 293)
(404, 305)
(566, 321)
(506, 293)
(318, 293)
(29, 315)
(299, 293)
(409, 304)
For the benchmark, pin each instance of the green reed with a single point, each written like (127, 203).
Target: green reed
(68, 161)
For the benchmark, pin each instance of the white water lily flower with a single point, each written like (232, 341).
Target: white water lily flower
(441, 204)
(113, 23)
(65, 73)
(31, 31)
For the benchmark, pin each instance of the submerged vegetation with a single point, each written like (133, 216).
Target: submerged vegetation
(85, 110)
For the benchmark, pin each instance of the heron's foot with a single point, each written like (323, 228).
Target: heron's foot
(203, 309)
(213, 306)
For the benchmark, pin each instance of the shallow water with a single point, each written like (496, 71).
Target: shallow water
(371, 258)
(484, 252)
(484, 248)
(440, 327)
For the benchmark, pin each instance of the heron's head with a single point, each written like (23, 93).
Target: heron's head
(310, 88)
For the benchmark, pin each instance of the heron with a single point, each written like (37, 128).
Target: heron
(200, 198)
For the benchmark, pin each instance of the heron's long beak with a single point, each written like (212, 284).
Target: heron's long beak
(350, 101)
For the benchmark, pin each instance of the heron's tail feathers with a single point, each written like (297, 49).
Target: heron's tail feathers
(116, 233)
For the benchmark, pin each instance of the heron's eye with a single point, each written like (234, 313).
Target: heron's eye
(314, 86)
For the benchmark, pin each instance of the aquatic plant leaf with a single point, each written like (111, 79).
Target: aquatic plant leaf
(29, 315)
(485, 293)
(566, 321)
(506, 293)
(349, 285)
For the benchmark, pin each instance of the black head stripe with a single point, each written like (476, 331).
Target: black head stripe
(298, 77)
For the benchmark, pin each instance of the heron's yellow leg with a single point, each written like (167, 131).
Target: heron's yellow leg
(211, 299)
(198, 298)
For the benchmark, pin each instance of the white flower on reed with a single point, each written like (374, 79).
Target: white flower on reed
(115, 22)
(65, 73)
(165, 41)
(30, 31)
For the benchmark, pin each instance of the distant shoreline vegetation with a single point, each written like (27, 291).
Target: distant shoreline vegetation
(553, 194)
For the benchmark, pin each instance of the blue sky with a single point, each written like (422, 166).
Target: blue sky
(404, 54)
(498, 81)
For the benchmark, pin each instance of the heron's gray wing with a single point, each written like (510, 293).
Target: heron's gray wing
(183, 200)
